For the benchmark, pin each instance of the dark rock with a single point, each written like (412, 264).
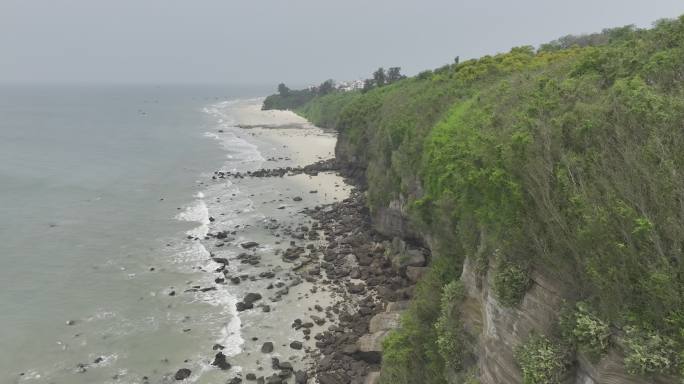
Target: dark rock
(182, 374)
(267, 274)
(332, 378)
(250, 377)
(220, 361)
(249, 245)
(220, 260)
(296, 345)
(267, 347)
(317, 320)
(243, 306)
(301, 377)
(251, 298)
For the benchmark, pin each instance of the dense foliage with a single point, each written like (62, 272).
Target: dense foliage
(541, 361)
(568, 158)
(450, 335)
(585, 331)
(324, 111)
(291, 99)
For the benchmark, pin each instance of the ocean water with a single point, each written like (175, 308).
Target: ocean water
(100, 187)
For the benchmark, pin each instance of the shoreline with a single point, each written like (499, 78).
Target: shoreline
(256, 259)
(349, 286)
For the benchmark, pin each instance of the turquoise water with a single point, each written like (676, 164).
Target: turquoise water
(92, 179)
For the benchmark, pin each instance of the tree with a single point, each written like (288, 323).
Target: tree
(283, 90)
(326, 87)
(394, 74)
(457, 59)
(368, 84)
(379, 77)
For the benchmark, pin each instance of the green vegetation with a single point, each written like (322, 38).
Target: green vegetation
(450, 334)
(510, 283)
(649, 352)
(541, 361)
(567, 158)
(583, 329)
(324, 111)
(412, 354)
(287, 98)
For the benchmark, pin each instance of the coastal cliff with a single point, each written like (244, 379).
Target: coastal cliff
(545, 186)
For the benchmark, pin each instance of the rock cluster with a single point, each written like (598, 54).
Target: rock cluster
(364, 267)
(312, 169)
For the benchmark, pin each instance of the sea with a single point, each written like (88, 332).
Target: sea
(101, 186)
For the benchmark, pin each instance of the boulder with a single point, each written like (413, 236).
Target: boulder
(220, 361)
(182, 374)
(332, 378)
(240, 306)
(251, 298)
(384, 322)
(296, 345)
(301, 377)
(397, 306)
(267, 347)
(415, 273)
(372, 378)
(220, 260)
(370, 346)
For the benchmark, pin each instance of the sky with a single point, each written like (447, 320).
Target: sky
(293, 41)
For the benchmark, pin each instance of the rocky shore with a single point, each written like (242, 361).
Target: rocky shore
(318, 288)
(370, 271)
(369, 278)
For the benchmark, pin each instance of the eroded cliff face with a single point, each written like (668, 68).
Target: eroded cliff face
(499, 330)
(495, 331)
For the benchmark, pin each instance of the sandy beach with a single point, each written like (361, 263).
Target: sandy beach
(251, 255)
(312, 279)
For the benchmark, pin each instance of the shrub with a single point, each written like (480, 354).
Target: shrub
(541, 361)
(411, 354)
(588, 332)
(510, 283)
(450, 339)
(397, 355)
(648, 352)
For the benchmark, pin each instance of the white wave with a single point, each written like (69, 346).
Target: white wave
(239, 149)
(199, 213)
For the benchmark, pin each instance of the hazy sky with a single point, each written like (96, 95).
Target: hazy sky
(267, 41)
